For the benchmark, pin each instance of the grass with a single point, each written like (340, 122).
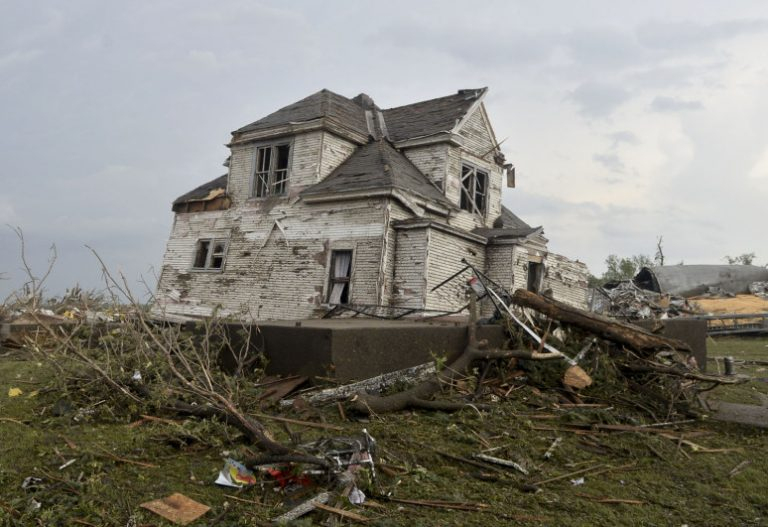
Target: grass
(663, 481)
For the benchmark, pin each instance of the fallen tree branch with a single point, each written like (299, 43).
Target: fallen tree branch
(629, 335)
(654, 367)
(419, 395)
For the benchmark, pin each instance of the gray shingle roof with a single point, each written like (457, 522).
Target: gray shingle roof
(377, 165)
(507, 226)
(430, 117)
(203, 190)
(421, 119)
(324, 103)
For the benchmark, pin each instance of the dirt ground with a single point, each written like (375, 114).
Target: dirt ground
(96, 464)
(738, 304)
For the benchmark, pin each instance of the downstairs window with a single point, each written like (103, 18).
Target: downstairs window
(338, 282)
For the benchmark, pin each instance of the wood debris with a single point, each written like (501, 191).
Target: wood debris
(177, 508)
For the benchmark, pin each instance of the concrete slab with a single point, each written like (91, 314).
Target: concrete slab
(350, 349)
(689, 330)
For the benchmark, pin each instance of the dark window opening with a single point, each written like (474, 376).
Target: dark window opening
(535, 276)
(270, 177)
(210, 254)
(474, 189)
(340, 273)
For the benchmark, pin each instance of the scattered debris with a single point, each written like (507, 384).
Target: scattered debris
(626, 301)
(759, 289)
(739, 468)
(376, 384)
(440, 504)
(552, 447)
(305, 508)
(235, 474)
(32, 483)
(502, 462)
(276, 389)
(177, 508)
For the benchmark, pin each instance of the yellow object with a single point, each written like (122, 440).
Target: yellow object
(14, 392)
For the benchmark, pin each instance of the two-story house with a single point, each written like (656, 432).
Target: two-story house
(334, 201)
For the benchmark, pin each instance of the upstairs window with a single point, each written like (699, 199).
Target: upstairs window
(270, 178)
(474, 189)
(210, 254)
(338, 283)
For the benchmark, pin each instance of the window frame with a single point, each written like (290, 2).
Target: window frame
(469, 202)
(210, 254)
(265, 179)
(333, 280)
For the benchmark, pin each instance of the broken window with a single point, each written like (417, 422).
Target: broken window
(474, 189)
(270, 177)
(210, 254)
(535, 276)
(341, 270)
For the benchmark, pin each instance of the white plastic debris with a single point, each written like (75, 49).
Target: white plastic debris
(136, 376)
(576, 482)
(65, 465)
(356, 496)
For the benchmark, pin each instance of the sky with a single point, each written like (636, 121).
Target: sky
(625, 121)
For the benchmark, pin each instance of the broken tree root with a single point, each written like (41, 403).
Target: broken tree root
(420, 395)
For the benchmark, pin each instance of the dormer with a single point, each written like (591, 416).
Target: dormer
(295, 147)
(450, 140)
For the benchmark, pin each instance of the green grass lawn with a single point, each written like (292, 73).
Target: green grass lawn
(629, 478)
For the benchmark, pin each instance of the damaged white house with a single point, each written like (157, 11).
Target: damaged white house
(334, 201)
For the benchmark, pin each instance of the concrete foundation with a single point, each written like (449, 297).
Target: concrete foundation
(689, 330)
(350, 349)
(355, 349)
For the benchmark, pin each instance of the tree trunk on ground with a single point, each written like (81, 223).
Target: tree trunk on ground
(619, 332)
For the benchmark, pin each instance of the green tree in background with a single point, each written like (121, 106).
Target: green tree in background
(621, 268)
(742, 259)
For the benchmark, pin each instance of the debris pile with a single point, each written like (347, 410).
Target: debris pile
(759, 289)
(626, 301)
(24, 316)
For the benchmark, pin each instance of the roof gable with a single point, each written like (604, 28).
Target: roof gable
(476, 132)
(431, 117)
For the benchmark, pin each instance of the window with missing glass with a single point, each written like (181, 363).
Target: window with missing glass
(474, 189)
(339, 279)
(210, 254)
(270, 177)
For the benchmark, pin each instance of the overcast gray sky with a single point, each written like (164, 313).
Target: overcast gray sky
(625, 120)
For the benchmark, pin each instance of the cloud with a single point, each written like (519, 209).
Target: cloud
(598, 99)
(7, 212)
(203, 58)
(611, 161)
(758, 175)
(623, 137)
(693, 36)
(665, 104)
(18, 57)
(603, 48)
